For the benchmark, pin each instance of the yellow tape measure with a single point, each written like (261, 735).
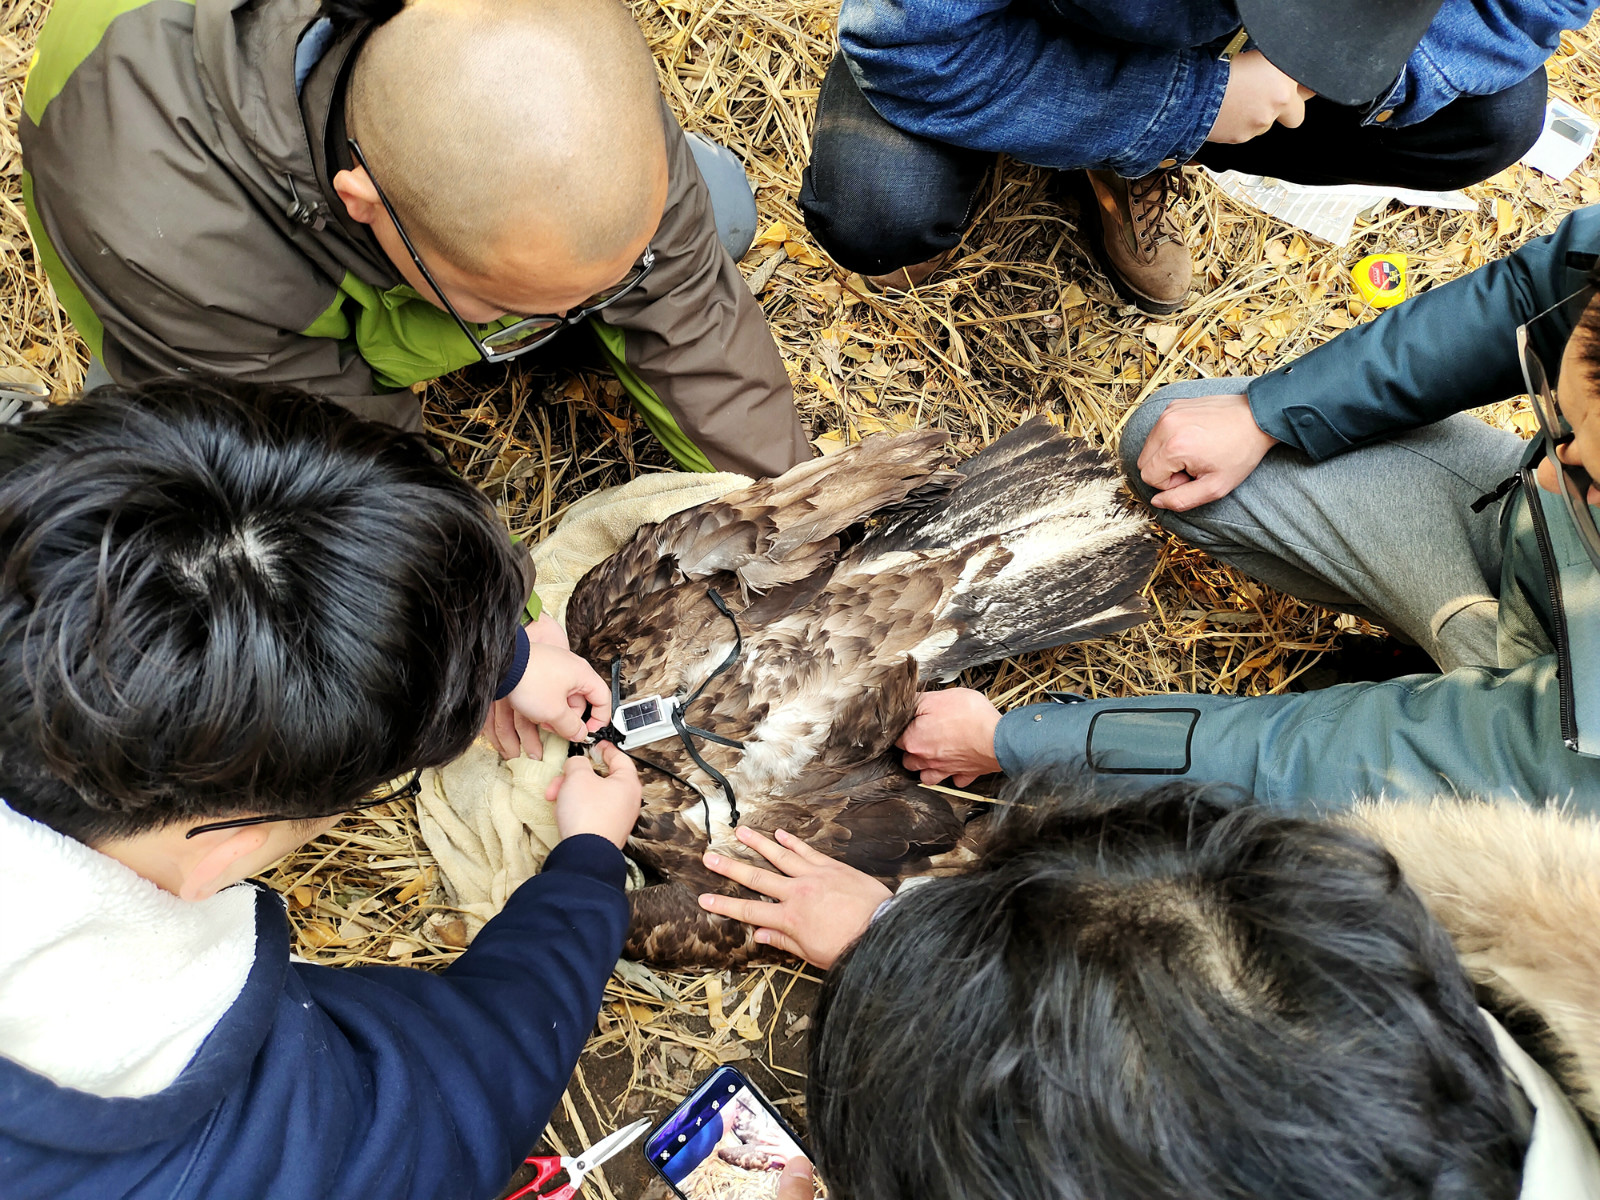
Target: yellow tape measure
(1381, 279)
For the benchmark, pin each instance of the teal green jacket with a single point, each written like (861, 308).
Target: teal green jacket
(1529, 728)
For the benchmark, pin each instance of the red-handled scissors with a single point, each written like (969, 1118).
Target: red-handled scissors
(548, 1166)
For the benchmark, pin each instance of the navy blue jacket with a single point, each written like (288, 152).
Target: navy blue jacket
(373, 1083)
(1127, 84)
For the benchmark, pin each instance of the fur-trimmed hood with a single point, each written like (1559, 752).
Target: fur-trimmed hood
(1518, 889)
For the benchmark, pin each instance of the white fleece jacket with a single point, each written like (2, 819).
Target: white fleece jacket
(109, 984)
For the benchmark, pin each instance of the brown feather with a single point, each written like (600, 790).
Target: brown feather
(853, 579)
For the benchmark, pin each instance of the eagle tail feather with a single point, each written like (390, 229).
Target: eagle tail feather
(1052, 552)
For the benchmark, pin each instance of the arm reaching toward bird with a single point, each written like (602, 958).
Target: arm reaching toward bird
(606, 805)
(551, 694)
(952, 736)
(821, 905)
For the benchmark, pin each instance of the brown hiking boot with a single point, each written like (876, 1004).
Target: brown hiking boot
(1137, 241)
(906, 278)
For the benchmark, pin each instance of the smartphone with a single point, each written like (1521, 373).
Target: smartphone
(725, 1142)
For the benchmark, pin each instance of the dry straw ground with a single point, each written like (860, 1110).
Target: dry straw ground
(1022, 323)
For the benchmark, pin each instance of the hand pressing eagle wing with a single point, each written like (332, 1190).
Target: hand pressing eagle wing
(890, 826)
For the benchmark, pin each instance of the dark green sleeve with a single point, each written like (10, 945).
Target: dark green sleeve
(1446, 350)
(1473, 732)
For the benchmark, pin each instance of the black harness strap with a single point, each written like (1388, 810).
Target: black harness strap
(687, 732)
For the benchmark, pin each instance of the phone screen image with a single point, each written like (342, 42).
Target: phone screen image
(725, 1142)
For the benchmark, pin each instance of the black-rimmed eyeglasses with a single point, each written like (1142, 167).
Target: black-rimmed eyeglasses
(405, 791)
(530, 332)
(1556, 432)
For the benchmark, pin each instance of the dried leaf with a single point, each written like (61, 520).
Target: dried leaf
(414, 889)
(1164, 337)
(829, 292)
(830, 442)
(1506, 220)
(448, 929)
(714, 1014)
(318, 934)
(775, 234)
(23, 379)
(803, 254)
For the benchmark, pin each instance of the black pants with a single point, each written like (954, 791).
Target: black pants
(878, 198)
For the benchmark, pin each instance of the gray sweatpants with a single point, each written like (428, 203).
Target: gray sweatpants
(1385, 531)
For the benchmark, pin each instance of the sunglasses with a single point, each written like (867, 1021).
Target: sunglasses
(529, 333)
(1556, 432)
(406, 791)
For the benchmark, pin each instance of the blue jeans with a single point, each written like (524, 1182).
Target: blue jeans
(878, 198)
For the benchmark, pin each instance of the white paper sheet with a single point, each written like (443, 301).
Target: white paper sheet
(1328, 213)
(1568, 137)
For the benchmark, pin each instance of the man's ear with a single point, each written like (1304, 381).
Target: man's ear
(354, 189)
(214, 869)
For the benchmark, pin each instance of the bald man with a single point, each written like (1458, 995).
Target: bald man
(356, 198)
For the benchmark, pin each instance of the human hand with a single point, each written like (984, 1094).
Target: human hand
(1200, 449)
(551, 693)
(510, 733)
(822, 905)
(589, 803)
(951, 735)
(506, 730)
(795, 1182)
(545, 632)
(1258, 96)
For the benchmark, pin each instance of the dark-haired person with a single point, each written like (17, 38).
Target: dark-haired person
(358, 197)
(228, 617)
(1355, 477)
(1171, 996)
(925, 93)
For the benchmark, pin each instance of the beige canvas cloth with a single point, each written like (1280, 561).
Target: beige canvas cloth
(486, 821)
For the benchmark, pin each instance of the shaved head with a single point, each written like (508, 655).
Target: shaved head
(490, 122)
